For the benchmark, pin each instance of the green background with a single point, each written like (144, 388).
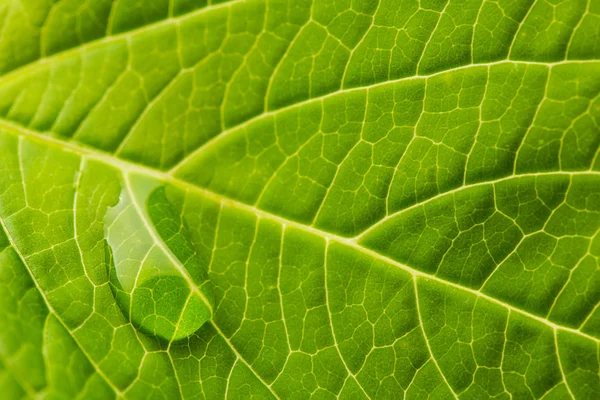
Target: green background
(368, 199)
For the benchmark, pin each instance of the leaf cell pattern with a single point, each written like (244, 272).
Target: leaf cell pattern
(391, 199)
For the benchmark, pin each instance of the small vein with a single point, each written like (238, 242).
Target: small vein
(414, 278)
(335, 343)
(242, 359)
(562, 372)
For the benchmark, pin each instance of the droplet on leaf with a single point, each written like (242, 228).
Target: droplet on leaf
(156, 277)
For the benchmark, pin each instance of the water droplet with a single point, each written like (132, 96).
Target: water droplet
(156, 277)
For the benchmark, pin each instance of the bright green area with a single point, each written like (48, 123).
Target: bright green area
(294, 199)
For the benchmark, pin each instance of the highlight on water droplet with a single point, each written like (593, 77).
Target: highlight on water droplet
(156, 277)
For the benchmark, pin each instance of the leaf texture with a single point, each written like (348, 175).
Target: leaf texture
(300, 199)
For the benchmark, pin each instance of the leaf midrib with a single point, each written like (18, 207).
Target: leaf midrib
(127, 166)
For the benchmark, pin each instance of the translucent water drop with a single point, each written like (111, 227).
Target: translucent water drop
(156, 277)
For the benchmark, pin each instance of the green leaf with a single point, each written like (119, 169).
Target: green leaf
(298, 199)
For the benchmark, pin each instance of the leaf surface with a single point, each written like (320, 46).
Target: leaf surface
(296, 199)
